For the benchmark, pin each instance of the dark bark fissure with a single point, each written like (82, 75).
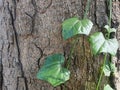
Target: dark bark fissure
(1, 67)
(13, 18)
(114, 23)
(41, 55)
(107, 8)
(33, 17)
(95, 13)
(118, 60)
(83, 45)
(14, 12)
(23, 79)
(100, 13)
(43, 10)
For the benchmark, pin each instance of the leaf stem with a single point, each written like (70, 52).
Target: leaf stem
(86, 9)
(110, 13)
(71, 52)
(100, 78)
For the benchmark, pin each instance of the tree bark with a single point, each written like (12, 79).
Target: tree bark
(30, 30)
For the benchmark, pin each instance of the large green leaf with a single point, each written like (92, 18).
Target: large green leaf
(108, 87)
(99, 44)
(74, 26)
(96, 41)
(52, 70)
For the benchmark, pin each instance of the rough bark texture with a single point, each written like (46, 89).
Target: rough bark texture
(30, 30)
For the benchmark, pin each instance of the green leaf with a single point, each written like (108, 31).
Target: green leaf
(74, 26)
(96, 41)
(52, 70)
(99, 44)
(113, 67)
(108, 68)
(109, 30)
(110, 46)
(107, 87)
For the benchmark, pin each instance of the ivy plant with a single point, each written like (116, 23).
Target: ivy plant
(107, 46)
(103, 44)
(53, 70)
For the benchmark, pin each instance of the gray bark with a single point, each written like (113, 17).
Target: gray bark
(30, 30)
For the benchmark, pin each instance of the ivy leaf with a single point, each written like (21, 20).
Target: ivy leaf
(113, 67)
(110, 46)
(99, 44)
(96, 41)
(74, 26)
(52, 70)
(107, 87)
(106, 70)
(110, 30)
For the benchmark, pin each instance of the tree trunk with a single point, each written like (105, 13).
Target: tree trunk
(30, 30)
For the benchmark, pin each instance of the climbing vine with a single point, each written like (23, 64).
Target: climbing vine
(53, 71)
(109, 47)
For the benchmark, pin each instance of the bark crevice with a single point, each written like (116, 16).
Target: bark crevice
(41, 54)
(1, 66)
(33, 17)
(13, 18)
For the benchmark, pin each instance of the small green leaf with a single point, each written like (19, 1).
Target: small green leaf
(109, 30)
(107, 68)
(99, 44)
(74, 26)
(52, 70)
(113, 67)
(107, 87)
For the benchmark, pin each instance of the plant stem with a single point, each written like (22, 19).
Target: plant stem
(100, 78)
(74, 43)
(109, 22)
(110, 13)
(86, 9)
(71, 52)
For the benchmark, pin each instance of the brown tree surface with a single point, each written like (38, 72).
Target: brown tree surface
(30, 30)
